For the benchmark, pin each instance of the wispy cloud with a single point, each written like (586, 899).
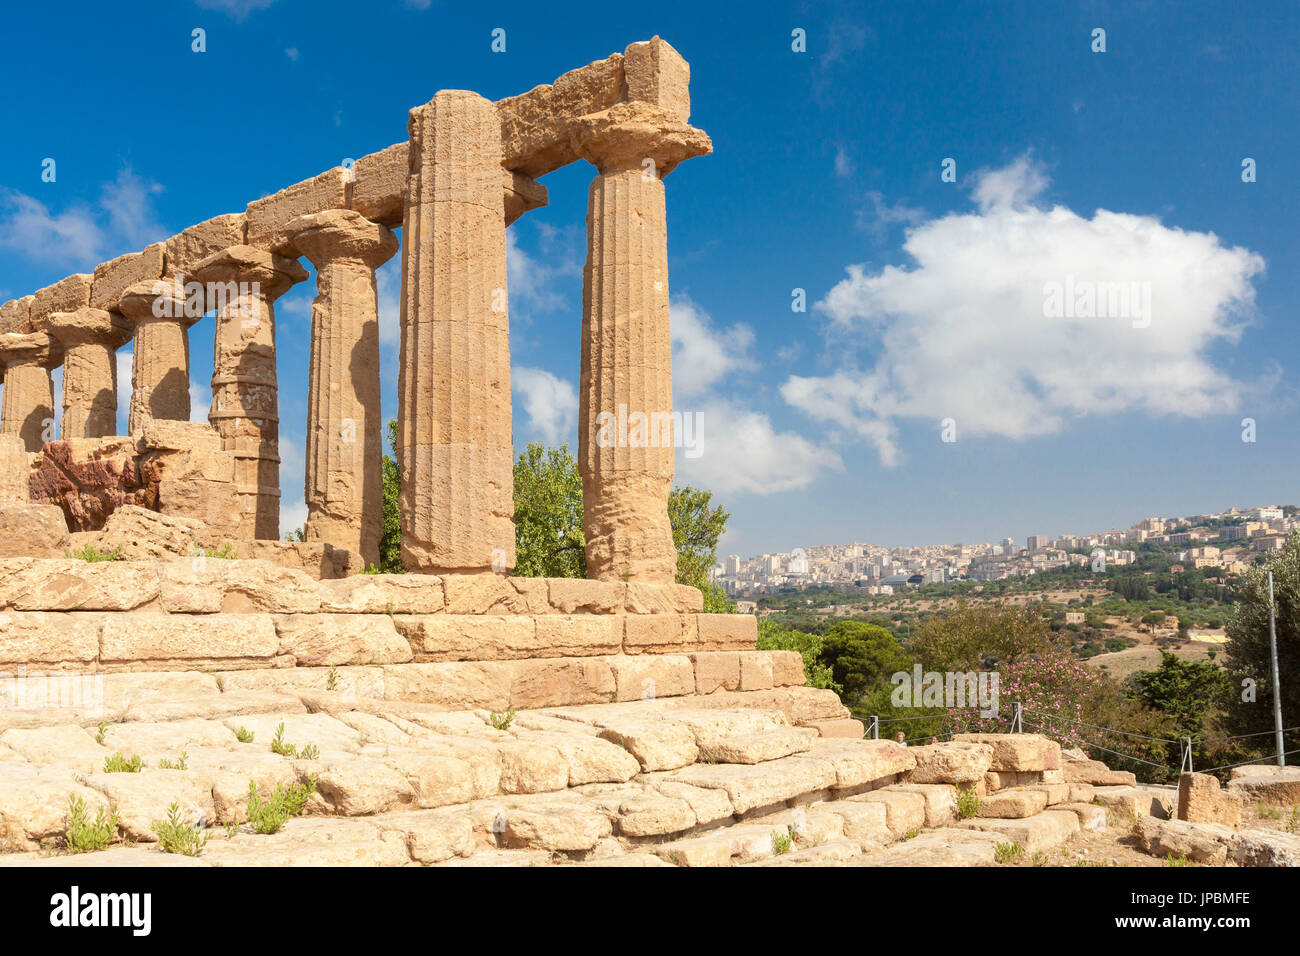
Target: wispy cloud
(237, 10)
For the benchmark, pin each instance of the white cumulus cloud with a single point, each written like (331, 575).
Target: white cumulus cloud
(550, 401)
(963, 331)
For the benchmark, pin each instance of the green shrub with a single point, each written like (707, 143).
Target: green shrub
(182, 763)
(968, 802)
(93, 554)
(782, 842)
(268, 816)
(1006, 852)
(502, 721)
(187, 839)
(82, 835)
(244, 735)
(119, 764)
(279, 746)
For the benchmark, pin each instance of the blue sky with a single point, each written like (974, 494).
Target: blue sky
(924, 297)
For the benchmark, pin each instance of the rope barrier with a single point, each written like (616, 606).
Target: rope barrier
(1087, 743)
(1227, 766)
(1109, 730)
(1262, 733)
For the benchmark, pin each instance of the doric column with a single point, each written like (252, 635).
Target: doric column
(344, 489)
(242, 283)
(454, 429)
(625, 432)
(160, 357)
(28, 409)
(90, 340)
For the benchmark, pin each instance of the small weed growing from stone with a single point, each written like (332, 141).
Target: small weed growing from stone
(244, 735)
(782, 842)
(502, 721)
(268, 816)
(279, 746)
(93, 554)
(82, 835)
(175, 836)
(1006, 852)
(100, 731)
(968, 802)
(119, 764)
(181, 763)
(332, 679)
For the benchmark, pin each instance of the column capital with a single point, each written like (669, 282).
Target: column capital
(274, 274)
(30, 348)
(625, 135)
(86, 326)
(342, 235)
(156, 300)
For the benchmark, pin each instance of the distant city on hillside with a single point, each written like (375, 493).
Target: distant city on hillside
(1230, 540)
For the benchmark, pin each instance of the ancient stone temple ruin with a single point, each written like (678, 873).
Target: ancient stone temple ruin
(456, 713)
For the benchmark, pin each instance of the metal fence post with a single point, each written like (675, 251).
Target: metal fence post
(873, 729)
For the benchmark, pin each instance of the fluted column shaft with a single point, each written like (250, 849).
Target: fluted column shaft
(160, 360)
(343, 481)
(90, 339)
(243, 283)
(28, 405)
(625, 428)
(454, 427)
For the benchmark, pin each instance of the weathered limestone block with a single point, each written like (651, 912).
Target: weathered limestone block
(1146, 800)
(1264, 848)
(849, 728)
(28, 401)
(716, 670)
(662, 634)
(951, 763)
(113, 277)
(1201, 800)
(327, 639)
(454, 685)
(483, 594)
(384, 594)
(904, 810)
(858, 763)
(762, 785)
(142, 799)
(581, 596)
(1096, 773)
(454, 413)
(646, 677)
(940, 801)
(727, 632)
(657, 74)
(209, 585)
(179, 637)
(269, 218)
(553, 682)
(645, 597)
(186, 249)
(468, 637)
(757, 747)
(34, 804)
(66, 584)
(344, 441)
(160, 356)
(14, 469)
(66, 295)
(1018, 752)
(34, 530)
(16, 314)
(1199, 842)
(186, 474)
(243, 284)
(139, 534)
(34, 638)
(89, 478)
(656, 743)
(1041, 832)
(1013, 804)
(1279, 786)
(319, 560)
(755, 670)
